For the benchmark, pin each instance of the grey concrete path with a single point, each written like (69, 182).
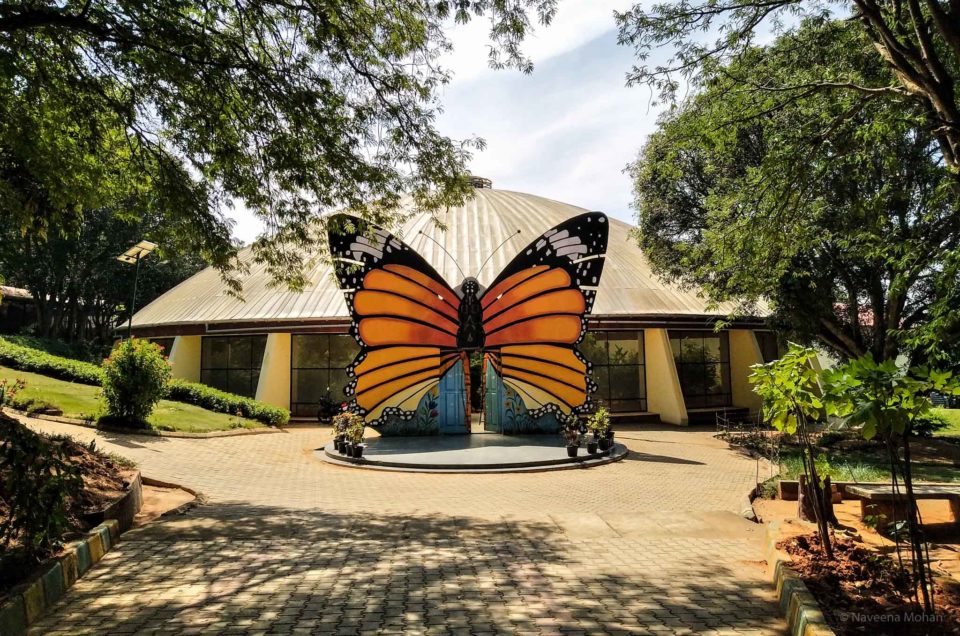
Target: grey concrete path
(290, 544)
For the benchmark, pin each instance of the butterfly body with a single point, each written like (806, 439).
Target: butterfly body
(413, 327)
(470, 334)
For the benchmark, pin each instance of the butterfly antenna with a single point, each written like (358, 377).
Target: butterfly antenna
(494, 252)
(435, 242)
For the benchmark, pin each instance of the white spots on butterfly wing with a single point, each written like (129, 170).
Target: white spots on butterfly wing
(573, 249)
(541, 243)
(572, 240)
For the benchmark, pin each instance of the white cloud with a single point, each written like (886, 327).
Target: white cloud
(565, 132)
(576, 23)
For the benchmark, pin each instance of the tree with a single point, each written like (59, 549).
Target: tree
(790, 389)
(886, 401)
(917, 40)
(291, 108)
(80, 290)
(845, 224)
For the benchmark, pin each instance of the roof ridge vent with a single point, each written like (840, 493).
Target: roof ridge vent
(480, 182)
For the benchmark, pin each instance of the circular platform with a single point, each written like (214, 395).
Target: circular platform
(474, 453)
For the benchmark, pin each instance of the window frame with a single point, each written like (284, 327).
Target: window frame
(309, 409)
(689, 398)
(254, 370)
(641, 371)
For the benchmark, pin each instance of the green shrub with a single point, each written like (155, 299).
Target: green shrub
(135, 378)
(83, 351)
(222, 402)
(32, 406)
(929, 423)
(24, 358)
(37, 485)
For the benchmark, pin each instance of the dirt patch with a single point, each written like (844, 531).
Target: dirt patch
(158, 501)
(862, 584)
(864, 592)
(104, 481)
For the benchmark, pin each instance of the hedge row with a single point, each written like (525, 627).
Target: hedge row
(36, 361)
(222, 402)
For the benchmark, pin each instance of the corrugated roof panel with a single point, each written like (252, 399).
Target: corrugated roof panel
(473, 231)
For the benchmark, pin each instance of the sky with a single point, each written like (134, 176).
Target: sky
(566, 131)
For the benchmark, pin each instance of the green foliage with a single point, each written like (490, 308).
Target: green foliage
(353, 426)
(80, 290)
(929, 424)
(834, 209)
(82, 351)
(135, 378)
(349, 426)
(689, 39)
(599, 421)
(28, 359)
(179, 107)
(789, 388)
(570, 430)
(222, 402)
(37, 484)
(883, 399)
(9, 390)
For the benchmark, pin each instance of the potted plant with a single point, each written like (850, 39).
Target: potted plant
(571, 435)
(341, 422)
(327, 408)
(599, 423)
(355, 435)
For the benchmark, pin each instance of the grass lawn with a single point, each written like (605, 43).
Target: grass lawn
(83, 401)
(864, 465)
(953, 417)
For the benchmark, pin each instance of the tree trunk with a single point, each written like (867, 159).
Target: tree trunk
(917, 542)
(829, 514)
(805, 509)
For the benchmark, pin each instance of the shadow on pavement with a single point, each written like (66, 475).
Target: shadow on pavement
(239, 567)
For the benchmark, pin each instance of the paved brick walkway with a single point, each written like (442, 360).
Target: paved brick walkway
(289, 544)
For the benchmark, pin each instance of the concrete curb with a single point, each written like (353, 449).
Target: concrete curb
(148, 431)
(797, 604)
(29, 601)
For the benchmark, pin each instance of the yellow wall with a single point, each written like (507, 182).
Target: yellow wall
(274, 385)
(185, 358)
(744, 353)
(663, 385)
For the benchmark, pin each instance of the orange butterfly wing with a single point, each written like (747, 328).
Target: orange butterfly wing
(534, 315)
(404, 317)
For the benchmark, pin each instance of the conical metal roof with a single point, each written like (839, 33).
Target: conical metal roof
(628, 287)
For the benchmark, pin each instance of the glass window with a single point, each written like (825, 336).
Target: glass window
(617, 369)
(232, 363)
(703, 367)
(769, 345)
(318, 365)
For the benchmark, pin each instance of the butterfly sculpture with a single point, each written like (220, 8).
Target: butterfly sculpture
(412, 327)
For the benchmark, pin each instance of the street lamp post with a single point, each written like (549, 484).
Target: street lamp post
(133, 256)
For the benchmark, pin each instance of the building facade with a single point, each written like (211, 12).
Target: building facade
(653, 347)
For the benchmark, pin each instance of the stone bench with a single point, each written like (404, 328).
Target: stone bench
(877, 500)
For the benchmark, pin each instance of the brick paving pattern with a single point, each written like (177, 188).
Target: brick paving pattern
(287, 544)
